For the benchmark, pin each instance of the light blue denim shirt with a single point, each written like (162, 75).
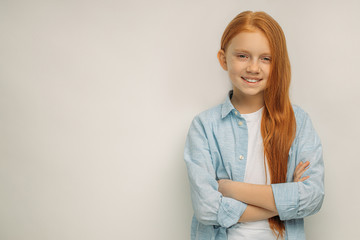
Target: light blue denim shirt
(216, 148)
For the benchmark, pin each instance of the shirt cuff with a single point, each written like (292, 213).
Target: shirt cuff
(230, 211)
(286, 196)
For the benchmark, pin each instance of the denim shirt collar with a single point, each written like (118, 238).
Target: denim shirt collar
(227, 106)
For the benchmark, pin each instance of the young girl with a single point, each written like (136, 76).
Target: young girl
(254, 162)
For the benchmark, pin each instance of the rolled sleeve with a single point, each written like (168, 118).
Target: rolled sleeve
(300, 199)
(230, 211)
(286, 197)
(210, 206)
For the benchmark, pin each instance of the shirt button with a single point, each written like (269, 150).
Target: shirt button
(235, 113)
(240, 123)
(241, 157)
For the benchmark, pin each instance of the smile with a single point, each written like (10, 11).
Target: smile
(255, 80)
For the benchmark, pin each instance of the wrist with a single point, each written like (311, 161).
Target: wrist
(226, 187)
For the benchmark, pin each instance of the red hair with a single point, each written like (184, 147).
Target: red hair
(278, 125)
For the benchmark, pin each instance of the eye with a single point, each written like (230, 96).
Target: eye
(266, 59)
(242, 56)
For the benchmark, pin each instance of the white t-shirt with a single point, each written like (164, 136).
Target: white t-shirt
(254, 173)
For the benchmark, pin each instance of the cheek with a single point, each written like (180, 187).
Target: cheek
(266, 69)
(235, 67)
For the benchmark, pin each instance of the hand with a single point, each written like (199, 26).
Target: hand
(299, 171)
(225, 187)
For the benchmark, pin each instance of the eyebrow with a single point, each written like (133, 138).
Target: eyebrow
(242, 50)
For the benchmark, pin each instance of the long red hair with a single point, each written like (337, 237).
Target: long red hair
(278, 124)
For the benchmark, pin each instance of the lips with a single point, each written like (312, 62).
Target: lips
(251, 80)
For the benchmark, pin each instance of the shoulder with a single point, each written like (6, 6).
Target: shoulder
(203, 122)
(300, 114)
(303, 121)
(210, 115)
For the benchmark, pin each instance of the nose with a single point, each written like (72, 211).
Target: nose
(253, 67)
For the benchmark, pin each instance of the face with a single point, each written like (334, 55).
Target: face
(247, 60)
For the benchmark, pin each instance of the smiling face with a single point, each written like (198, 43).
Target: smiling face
(247, 60)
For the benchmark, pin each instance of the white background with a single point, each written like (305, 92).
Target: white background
(96, 98)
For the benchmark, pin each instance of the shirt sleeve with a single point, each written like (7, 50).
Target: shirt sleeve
(300, 199)
(210, 206)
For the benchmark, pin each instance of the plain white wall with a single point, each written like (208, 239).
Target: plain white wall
(96, 98)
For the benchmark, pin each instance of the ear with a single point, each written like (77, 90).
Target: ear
(222, 59)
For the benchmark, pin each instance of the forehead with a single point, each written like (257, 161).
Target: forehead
(254, 42)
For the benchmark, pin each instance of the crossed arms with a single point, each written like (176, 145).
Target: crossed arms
(260, 198)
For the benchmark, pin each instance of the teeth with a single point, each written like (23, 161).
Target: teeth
(251, 80)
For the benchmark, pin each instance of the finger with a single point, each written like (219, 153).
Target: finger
(301, 174)
(298, 166)
(298, 172)
(297, 177)
(306, 167)
(302, 168)
(304, 178)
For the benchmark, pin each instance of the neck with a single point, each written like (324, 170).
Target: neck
(247, 104)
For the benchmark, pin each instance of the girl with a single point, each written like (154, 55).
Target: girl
(254, 162)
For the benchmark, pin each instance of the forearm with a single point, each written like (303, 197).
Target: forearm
(254, 213)
(253, 194)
